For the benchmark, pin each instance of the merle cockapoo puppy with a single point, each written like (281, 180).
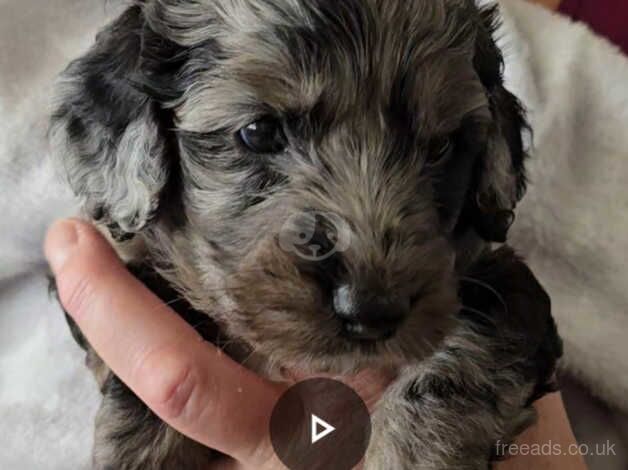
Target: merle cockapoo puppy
(349, 162)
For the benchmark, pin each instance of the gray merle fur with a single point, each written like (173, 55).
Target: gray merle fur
(395, 119)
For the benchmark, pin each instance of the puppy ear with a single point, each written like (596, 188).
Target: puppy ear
(501, 179)
(108, 128)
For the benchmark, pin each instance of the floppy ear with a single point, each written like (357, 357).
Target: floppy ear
(108, 127)
(500, 178)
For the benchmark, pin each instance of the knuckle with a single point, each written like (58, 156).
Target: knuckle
(171, 383)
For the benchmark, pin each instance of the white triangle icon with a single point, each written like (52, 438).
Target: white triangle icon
(326, 431)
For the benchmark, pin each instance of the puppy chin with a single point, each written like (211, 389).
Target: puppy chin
(341, 368)
(297, 361)
(366, 382)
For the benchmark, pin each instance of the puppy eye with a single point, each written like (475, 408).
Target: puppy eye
(263, 136)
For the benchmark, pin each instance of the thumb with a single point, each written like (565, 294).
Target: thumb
(189, 383)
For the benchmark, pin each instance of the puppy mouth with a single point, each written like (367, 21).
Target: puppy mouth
(361, 333)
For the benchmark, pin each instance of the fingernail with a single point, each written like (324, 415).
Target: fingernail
(61, 240)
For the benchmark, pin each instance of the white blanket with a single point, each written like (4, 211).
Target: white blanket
(572, 225)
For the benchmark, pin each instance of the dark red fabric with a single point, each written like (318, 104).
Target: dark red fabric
(607, 17)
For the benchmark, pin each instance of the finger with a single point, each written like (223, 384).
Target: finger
(190, 384)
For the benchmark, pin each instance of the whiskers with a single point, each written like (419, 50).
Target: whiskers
(486, 286)
(171, 302)
(480, 313)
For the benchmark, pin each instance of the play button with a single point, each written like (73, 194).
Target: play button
(320, 424)
(317, 423)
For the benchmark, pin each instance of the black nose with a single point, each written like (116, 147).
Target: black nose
(369, 316)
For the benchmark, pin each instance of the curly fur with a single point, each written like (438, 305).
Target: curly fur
(367, 91)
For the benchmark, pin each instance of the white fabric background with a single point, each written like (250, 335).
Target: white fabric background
(47, 401)
(572, 225)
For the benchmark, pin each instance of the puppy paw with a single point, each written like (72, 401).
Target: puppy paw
(505, 303)
(477, 389)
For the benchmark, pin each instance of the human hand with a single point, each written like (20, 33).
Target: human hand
(552, 431)
(187, 382)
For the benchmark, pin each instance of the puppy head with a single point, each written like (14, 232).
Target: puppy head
(300, 169)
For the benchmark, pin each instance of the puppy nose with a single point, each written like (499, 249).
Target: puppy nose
(369, 316)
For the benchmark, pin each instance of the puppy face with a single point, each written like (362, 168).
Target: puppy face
(300, 170)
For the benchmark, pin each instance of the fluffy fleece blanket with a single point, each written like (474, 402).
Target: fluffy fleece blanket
(572, 225)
